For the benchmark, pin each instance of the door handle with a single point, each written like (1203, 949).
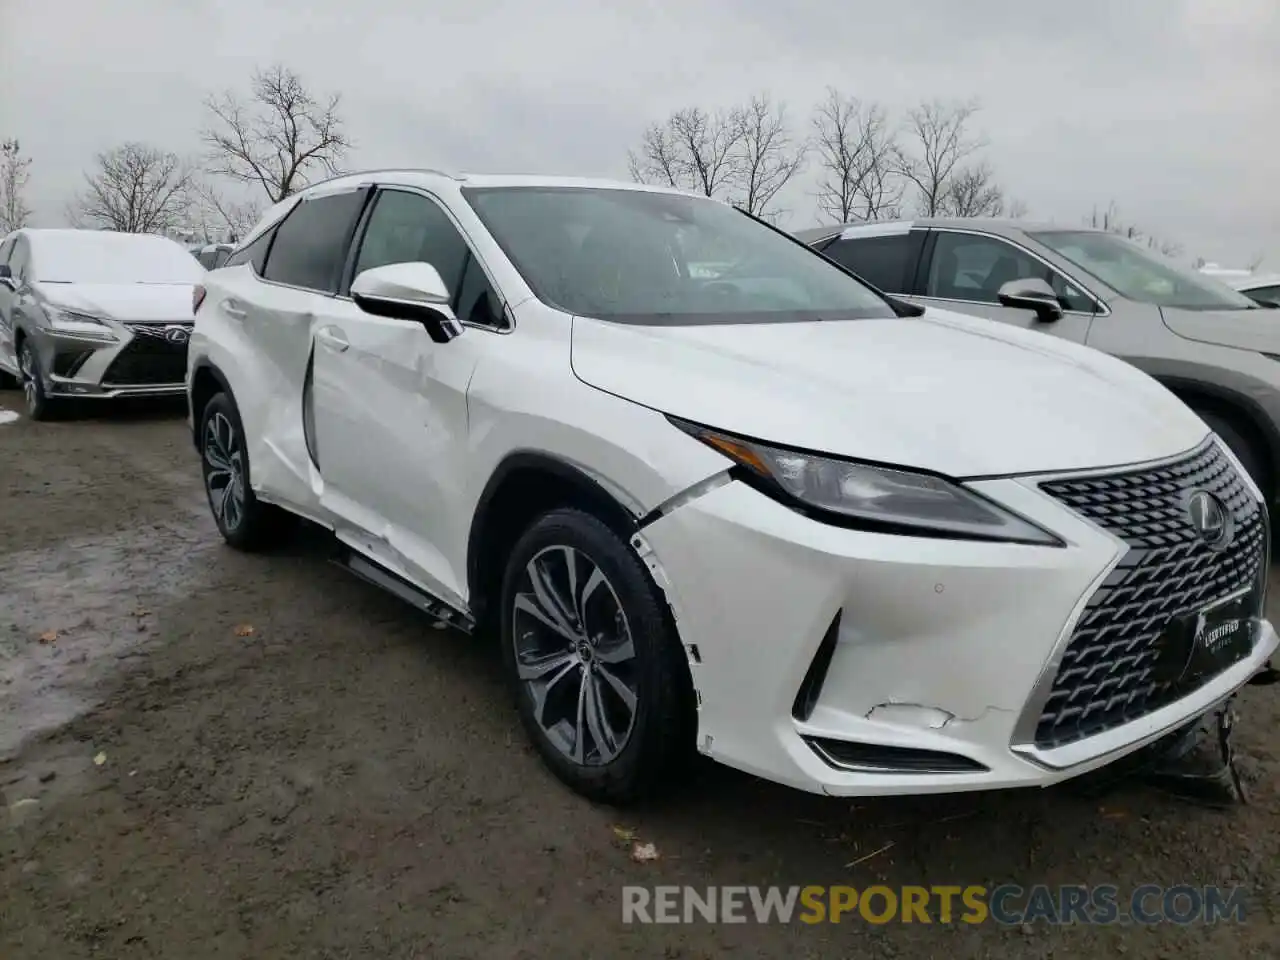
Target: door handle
(233, 309)
(332, 338)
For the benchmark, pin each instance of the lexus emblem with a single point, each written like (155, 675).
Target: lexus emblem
(1209, 518)
(177, 334)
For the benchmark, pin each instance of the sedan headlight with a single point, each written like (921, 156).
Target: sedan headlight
(872, 497)
(81, 326)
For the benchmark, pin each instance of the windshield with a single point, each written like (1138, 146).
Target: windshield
(103, 256)
(638, 256)
(1137, 275)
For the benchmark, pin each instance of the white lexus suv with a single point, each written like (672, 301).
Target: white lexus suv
(713, 493)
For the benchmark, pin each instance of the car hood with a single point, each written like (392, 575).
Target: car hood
(959, 395)
(122, 301)
(1244, 329)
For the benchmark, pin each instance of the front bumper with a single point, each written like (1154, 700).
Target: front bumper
(940, 646)
(146, 360)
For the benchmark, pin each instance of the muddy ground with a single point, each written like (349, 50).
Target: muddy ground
(217, 755)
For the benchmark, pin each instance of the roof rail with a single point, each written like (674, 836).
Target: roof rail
(362, 173)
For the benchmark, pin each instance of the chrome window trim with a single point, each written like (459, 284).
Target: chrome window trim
(508, 312)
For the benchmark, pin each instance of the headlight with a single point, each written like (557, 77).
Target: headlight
(81, 326)
(872, 497)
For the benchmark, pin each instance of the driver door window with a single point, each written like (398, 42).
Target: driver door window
(973, 268)
(408, 227)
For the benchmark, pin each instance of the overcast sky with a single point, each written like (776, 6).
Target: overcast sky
(1171, 108)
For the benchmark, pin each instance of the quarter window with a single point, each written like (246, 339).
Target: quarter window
(5, 249)
(311, 244)
(881, 261)
(971, 267)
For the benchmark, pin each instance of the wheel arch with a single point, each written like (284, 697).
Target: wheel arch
(525, 485)
(1246, 413)
(207, 381)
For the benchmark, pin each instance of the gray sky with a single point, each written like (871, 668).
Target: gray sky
(1171, 108)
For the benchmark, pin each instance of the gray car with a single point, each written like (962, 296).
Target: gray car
(94, 314)
(1218, 350)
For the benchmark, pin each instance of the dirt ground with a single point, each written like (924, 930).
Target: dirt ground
(341, 780)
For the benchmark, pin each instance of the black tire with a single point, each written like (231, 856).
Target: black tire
(40, 406)
(660, 739)
(244, 521)
(1251, 457)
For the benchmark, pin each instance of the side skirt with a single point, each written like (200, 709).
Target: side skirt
(371, 572)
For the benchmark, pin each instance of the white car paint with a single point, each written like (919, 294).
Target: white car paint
(944, 644)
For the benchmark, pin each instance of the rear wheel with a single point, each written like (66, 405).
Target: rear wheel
(244, 521)
(600, 677)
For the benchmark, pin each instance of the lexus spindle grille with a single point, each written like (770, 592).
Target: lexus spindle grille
(156, 356)
(1109, 673)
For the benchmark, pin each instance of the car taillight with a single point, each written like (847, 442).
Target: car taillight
(197, 298)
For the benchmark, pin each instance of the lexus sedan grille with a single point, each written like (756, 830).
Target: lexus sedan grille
(1110, 672)
(157, 355)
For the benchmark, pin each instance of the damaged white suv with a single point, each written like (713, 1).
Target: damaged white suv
(713, 493)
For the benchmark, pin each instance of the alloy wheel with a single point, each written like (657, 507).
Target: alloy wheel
(30, 388)
(575, 656)
(224, 471)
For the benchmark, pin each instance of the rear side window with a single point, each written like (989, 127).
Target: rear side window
(883, 262)
(1265, 294)
(5, 248)
(255, 254)
(310, 247)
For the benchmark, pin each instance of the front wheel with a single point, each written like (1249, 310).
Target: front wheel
(244, 521)
(600, 678)
(39, 404)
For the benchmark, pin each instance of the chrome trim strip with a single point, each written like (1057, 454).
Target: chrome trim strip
(844, 765)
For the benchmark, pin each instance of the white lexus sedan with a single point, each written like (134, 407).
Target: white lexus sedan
(759, 511)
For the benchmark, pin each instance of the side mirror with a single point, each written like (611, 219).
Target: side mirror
(6, 277)
(408, 291)
(1031, 293)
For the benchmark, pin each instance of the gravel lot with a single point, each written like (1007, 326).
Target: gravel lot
(224, 756)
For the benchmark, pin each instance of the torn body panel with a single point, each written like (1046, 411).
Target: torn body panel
(939, 648)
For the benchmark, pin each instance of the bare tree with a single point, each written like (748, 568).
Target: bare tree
(1017, 210)
(135, 188)
(279, 138)
(770, 156)
(856, 151)
(1109, 220)
(230, 216)
(693, 149)
(973, 192)
(15, 172)
(937, 145)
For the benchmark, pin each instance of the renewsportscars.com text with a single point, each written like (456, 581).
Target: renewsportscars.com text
(1007, 904)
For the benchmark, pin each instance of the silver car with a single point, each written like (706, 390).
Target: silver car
(94, 314)
(1215, 348)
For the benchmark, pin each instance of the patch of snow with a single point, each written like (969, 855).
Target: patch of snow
(7, 416)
